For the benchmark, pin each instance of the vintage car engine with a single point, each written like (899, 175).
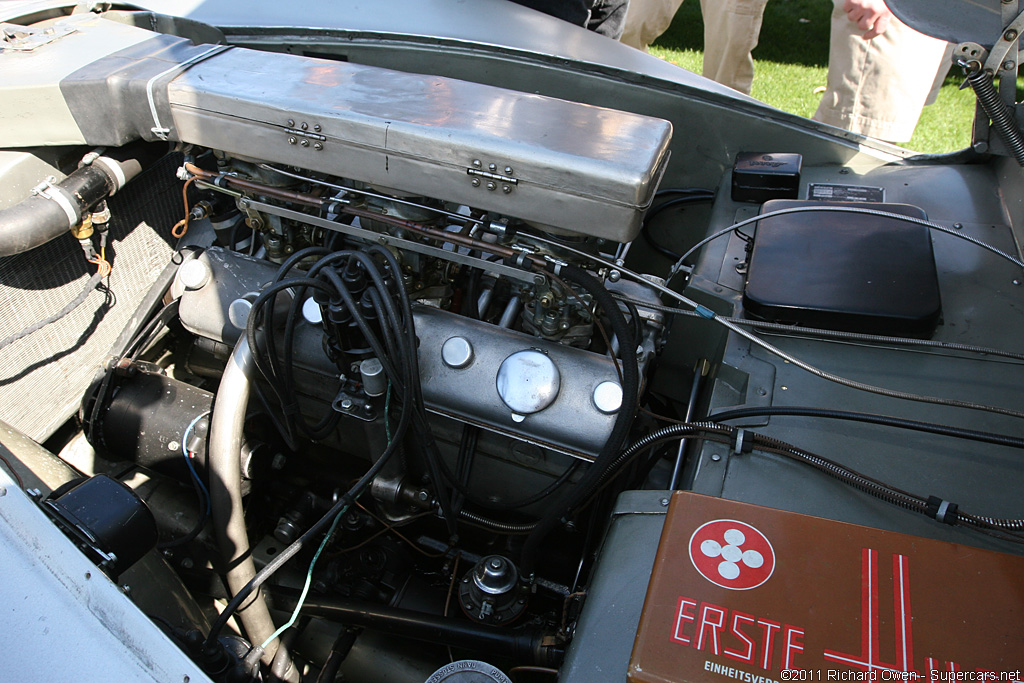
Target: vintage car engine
(380, 375)
(396, 309)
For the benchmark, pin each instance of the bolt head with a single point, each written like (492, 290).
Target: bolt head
(318, 146)
(476, 182)
(304, 143)
(292, 140)
(508, 170)
(507, 189)
(291, 122)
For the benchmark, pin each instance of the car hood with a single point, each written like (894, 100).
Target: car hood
(956, 21)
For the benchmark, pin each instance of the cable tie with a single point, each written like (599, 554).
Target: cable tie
(941, 511)
(704, 312)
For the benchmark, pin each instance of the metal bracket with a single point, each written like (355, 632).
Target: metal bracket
(997, 61)
(26, 38)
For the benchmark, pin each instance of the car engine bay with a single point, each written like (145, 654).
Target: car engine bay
(405, 339)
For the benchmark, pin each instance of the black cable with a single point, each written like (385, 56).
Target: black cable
(620, 429)
(92, 284)
(664, 192)
(656, 210)
(870, 418)
(292, 549)
(873, 487)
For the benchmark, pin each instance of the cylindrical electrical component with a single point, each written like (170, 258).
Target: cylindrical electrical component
(375, 382)
(105, 519)
(148, 417)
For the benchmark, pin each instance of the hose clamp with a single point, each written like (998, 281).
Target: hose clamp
(115, 172)
(48, 190)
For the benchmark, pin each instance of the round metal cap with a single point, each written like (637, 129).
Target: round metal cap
(528, 382)
(608, 397)
(238, 313)
(194, 274)
(457, 352)
(468, 671)
(311, 312)
(495, 575)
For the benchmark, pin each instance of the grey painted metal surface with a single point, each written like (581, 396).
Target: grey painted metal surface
(981, 297)
(615, 597)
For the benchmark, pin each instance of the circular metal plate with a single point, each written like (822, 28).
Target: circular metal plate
(468, 671)
(528, 382)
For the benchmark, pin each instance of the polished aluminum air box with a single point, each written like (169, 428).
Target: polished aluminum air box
(561, 164)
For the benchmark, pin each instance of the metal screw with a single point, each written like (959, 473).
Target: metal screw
(664, 502)
(304, 143)
(491, 185)
(614, 275)
(493, 167)
(292, 140)
(716, 457)
(172, 445)
(476, 162)
(1010, 35)
(507, 189)
(291, 123)
(476, 182)
(508, 170)
(88, 575)
(317, 128)
(762, 392)
(538, 279)
(1009, 65)
(319, 146)
(304, 125)
(346, 404)
(844, 171)
(958, 226)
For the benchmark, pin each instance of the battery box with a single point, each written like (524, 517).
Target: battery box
(851, 271)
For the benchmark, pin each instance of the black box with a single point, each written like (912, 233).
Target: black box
(758, 177)
(844, 271)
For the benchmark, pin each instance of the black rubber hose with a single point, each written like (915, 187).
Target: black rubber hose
(620, 430)
(526, 644)
(672, 203)
(871, 418)
(37, 219)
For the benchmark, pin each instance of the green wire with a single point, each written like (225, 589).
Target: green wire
(323, 544)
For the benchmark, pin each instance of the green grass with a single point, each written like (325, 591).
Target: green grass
(791, 60)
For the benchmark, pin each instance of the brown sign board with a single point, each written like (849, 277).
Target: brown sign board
(746, 593)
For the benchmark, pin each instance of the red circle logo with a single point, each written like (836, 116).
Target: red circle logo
(732, 554)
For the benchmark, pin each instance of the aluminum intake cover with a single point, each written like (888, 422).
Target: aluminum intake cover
(580, 168)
